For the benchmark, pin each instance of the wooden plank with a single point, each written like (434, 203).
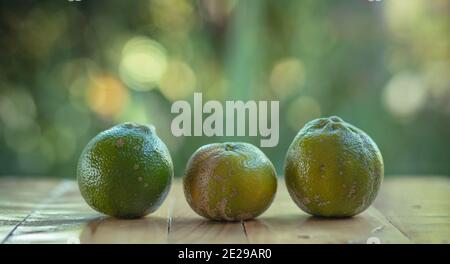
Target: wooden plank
(148, 230)
(284, 222)
(418, 206)
(18, 198)
(188, 227)
(65, 218)
(51, 211)
(56, 220)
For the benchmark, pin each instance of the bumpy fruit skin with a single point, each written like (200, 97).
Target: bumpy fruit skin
(333, 169)
(229, 181)
(125, 171)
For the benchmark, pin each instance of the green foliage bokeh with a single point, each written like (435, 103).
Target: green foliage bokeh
(69, 70)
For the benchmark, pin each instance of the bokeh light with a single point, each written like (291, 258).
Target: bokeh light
(172, 15)
(36, 22)
(302, 110)
(68, 72)
(107, 96)
(178, 81)
(23, 141)
(287, 76)
(143, 63)
(17, 109)
(405, 95)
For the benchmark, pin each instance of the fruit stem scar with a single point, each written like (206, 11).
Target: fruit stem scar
(120, 142)
(322, 168)
(229, 147)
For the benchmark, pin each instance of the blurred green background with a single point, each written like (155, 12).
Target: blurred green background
(69, 70)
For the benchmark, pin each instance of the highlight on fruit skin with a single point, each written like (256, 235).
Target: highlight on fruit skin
(125, 171)
(333, 169)
(229, 181)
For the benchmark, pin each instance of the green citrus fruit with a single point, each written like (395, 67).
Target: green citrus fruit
(229, 181)
(125, 171)
(333, 169)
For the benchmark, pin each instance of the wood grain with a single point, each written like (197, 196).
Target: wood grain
(64, 217)
(418, 206)
(408, 209)
(57, 219)
(188, 227)
(18, 199)
(286, 223)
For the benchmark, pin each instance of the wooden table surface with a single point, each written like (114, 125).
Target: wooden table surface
(407, 210)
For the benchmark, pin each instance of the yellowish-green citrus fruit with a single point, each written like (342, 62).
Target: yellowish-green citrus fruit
(125, 171)
(333, 169)
(229, 181)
